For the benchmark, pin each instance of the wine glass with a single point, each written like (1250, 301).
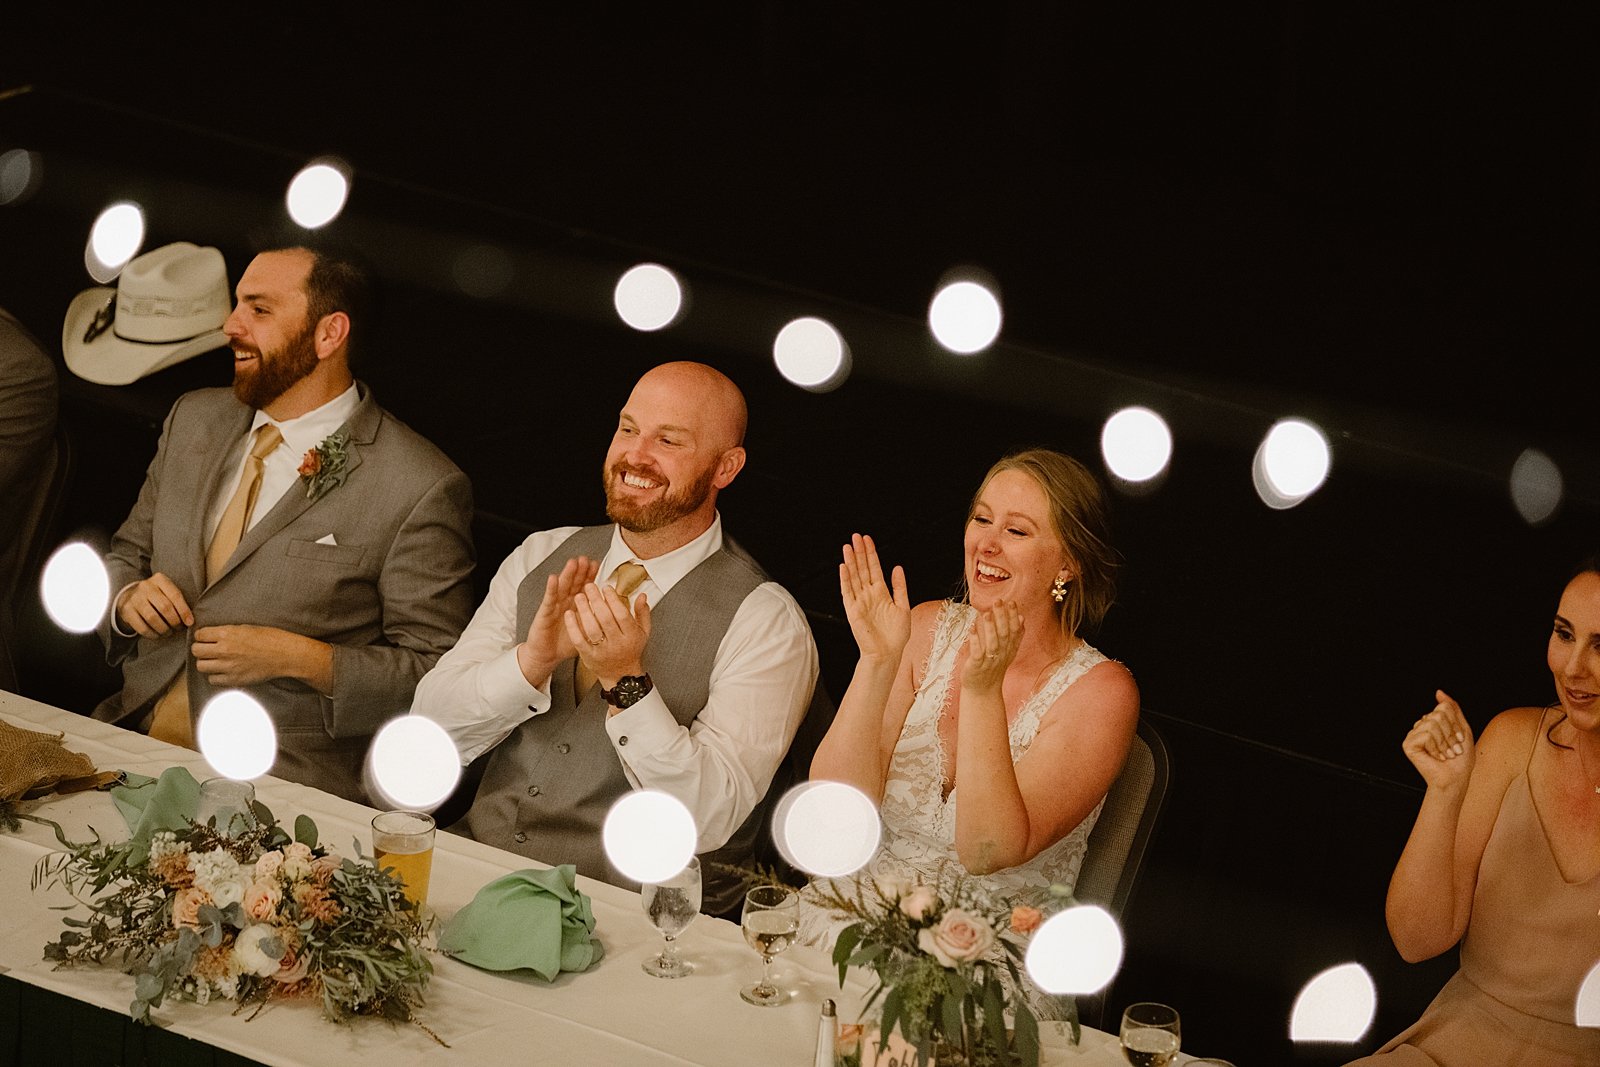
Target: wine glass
(771, 919)
(672, 905)
(1150, 1035)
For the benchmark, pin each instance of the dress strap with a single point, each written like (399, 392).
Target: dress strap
(1538, 731)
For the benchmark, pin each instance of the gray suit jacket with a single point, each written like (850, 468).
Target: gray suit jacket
(390, 597)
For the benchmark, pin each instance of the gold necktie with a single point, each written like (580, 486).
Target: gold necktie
(236, 516)
(170, 720)
(626, 580)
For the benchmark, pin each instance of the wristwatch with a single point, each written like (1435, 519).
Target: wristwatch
(629, 690)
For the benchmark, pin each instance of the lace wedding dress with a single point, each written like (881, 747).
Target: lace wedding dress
(919, 823)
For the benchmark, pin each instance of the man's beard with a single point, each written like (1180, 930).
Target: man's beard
(664, 511)
(272, 374)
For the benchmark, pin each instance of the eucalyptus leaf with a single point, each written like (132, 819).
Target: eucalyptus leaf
(305, 831)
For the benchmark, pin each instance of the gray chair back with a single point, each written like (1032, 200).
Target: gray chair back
(1120, 837)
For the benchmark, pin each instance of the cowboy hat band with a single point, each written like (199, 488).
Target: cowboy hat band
(169, 304)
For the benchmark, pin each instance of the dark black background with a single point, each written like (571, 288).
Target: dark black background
(1376, 216)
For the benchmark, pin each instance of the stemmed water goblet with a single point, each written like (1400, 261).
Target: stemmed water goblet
(671, 906)
(1150, 1035)
(771, 920)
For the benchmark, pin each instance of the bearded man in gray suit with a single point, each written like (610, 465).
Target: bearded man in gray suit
(292, 539)
(692, 679)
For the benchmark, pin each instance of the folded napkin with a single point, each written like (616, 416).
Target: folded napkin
(151, 804)
(533, 920)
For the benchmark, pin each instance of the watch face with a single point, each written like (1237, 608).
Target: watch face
(628, 691)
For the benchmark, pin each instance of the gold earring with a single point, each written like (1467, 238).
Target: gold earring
(1058, 589)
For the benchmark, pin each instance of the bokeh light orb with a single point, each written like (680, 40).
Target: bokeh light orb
(1537, 487)
(1291, 463)
(1136, 444)
(648, 297)
(21, 172)
(829, 829)
(812, 354)
(1337, 1005)
(75, 588)
(236, 736)
(414, 763)
(115, 238)
(317, 194)
(649, 835)
(1076, 951)
(965, 317)
(1587, 1011)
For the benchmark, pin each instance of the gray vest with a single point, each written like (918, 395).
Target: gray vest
(549, 785)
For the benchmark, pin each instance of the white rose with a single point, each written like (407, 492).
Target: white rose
(919, 903)
(268, 864)
(228, 892)
(892, 886)
(248, 951)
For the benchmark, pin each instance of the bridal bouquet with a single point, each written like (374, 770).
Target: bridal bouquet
(250, 917)
(946, 958)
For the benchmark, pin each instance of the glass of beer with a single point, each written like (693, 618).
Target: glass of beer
(402, 843)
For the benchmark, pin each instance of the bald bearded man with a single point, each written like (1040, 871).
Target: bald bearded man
(692, 679)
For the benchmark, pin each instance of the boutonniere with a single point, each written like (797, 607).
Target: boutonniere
(323, 466)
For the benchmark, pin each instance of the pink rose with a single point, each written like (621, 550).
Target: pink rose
(261, 900)
(310, 463)
(919, 903)
(186, 905)
(1025, 920)
(322, 867)
(959, 938)
(292, 967)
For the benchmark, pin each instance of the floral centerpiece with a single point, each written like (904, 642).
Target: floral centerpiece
(251, 917)
(946, 959)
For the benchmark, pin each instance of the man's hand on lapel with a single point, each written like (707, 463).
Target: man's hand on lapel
(245, 655)
(154, 607)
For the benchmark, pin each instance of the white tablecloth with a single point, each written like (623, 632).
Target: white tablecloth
(612, 1014)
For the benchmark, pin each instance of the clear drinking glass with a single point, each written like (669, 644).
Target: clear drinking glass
(771, 919)
(1150, 1035)
(228, 801)
(672, 906)
(402, 841)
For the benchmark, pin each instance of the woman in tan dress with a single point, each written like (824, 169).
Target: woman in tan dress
(1506, 851)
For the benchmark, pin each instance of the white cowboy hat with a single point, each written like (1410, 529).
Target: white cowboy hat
(168, 305)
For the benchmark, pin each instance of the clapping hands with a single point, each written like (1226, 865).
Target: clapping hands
(880, 617)
(992, 646)
(548, 641)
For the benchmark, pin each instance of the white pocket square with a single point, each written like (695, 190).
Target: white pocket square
(326, 540)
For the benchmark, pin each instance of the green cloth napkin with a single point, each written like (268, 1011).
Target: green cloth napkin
(151, 804)
(533, 920)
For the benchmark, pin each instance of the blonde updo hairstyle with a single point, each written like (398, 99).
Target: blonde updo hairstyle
(1078, 516)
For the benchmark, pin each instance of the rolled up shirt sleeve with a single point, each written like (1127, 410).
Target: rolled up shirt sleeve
(721, 764)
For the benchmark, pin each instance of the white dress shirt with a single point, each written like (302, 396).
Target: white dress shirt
(281, 468)
(721, 764)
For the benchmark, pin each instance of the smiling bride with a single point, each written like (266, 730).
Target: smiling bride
(987, 730)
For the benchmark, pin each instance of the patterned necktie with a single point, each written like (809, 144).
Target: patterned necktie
(626, 580)
(170, 720)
